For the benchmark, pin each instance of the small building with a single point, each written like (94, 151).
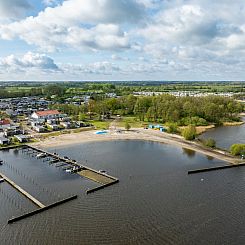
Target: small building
(39, 129)
(13, 130)
(11, 113)
(4, 124)
(66, 124)
(4, 141)
(80, 124)
(22, 138)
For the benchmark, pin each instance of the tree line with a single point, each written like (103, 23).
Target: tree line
(163, 109)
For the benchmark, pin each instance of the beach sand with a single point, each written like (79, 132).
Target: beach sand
(133, 134)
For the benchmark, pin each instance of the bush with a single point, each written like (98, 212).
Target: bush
(172, 128)
(189, 133)
(237, 149)
(210, 143)
(127, 126)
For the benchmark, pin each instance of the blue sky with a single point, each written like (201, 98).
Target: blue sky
(122, 40)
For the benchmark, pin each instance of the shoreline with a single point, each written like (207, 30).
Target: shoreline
(233, 123)
(134, 134)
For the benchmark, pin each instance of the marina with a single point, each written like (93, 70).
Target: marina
(71, 166)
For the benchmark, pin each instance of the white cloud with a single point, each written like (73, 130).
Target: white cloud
(93, 24)
(27, 62)
(159, 35)
(96, 68)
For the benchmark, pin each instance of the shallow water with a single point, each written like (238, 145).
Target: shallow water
(226, 136)
(155, 202)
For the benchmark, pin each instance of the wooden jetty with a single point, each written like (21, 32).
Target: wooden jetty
(41, 206)
(216, 168)
(41, 209)
(23, 192)
(102, 186)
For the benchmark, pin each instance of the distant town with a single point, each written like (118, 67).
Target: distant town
(32, 111)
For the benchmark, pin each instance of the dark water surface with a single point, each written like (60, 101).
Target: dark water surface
(155, 202)
(225, 136)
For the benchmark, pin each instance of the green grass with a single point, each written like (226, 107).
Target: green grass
(16, 89)
(101, 124)
(133, 121)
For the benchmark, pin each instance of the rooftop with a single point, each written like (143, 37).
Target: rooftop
(48, 112)
(4, 122)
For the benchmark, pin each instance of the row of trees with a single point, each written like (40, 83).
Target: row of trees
(163, 109)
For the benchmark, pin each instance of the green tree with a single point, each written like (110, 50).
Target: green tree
(172, 128)
(237, 149)
(189, 133)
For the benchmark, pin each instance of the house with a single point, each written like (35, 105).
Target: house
(11, 113)
(4, 123)
(39, 129)
(48, 114)
(4, 141)
(22, 138)
(66, 124)
(80, 124)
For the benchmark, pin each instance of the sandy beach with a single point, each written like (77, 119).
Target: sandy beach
(134, 134)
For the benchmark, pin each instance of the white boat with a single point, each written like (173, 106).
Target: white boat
(1, 180)
(40, 155)
(71, 170)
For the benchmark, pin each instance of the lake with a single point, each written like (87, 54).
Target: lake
(155, 202)
(225, 136)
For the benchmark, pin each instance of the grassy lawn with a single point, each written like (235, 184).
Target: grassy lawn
(16, 89)
(101, 124)
(133, 121)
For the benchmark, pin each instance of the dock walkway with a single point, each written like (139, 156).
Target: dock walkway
(25, 193)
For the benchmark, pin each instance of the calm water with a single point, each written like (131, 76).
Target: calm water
(156, 202)
(226, 136)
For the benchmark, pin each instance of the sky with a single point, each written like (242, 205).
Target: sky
(122, 40)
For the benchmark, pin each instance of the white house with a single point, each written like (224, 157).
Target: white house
(4, 141)
(39, 129)
(49, 114)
